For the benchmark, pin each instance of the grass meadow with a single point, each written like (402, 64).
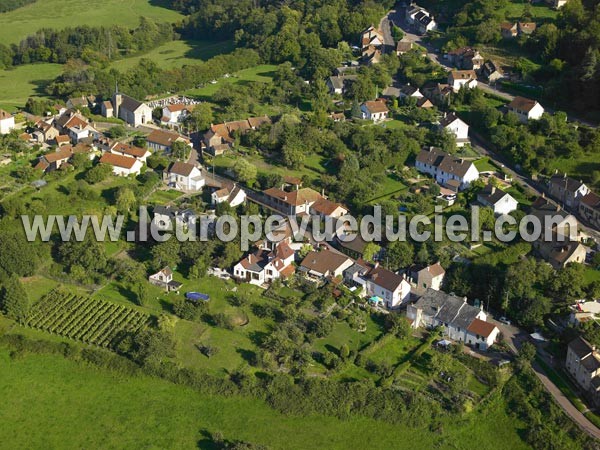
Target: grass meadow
(61, 404)
(22, 22)
(22, 82)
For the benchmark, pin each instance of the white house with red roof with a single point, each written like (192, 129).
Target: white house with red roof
(526, 109)
(185, 176)
(122, 165)
(173, 115)
(391, 288)
(264, 265)
(7, 122)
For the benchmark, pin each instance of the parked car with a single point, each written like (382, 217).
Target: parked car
(504, 320)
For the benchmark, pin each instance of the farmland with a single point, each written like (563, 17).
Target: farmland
(84, 319)
(18, 24)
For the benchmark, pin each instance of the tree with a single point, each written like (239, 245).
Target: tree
(116, 132)
(151, 346)
(397, 325)
(14, 301)
(245, 171)
(201, 117)
(527, 352)
(125, 199)
(98, 173)
(141, 292)
(180, 150)
(399, 254)
(344, 351)
(370, 251)
(166, 254)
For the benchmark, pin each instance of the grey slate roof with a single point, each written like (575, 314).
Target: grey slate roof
(447, 308)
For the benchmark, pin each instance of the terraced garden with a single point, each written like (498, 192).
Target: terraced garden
(83, 318)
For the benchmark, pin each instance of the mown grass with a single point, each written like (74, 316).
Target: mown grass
(177, 54)
(143, 412)
(22, 82)
(262, 74)
(18, 24)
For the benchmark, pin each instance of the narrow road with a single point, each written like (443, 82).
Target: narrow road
(565, 403)
(515, 337)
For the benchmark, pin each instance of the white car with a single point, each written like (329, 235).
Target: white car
(504, 320)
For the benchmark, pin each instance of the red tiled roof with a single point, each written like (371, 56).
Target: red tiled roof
(117, 160)
(481, 328)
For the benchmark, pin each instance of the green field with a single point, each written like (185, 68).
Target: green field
(177, 54)
(262, 73)
(60, 404)
(18, 24)
(22, 82)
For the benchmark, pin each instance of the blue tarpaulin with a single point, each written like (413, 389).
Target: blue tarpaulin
(195, 296)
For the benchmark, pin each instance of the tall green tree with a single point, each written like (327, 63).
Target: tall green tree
(14, 301)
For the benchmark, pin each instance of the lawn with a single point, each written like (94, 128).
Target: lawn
(261, 74)
(177, 54)
(26, 81)
(514, 10)
(590, 275)
(18, 24)
(60, 404)
(484, 165)
(580, 168)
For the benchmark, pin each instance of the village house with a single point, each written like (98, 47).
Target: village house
(371, 55)
(291, 203)
(350, 244)
(185, 177)
(62, 139)
(428, 277)
(231, 194)
(78, 133)
(455, 315)
(481, 334)
(560, 250)
(325, 208)
(371, 37)
(221, 137)
(375, 111)
(445, 168)
(324, 264)
(162, 140)
(424, 102)
(567, 191)
(460, 78)
(525, 109)
(526, 28)
(553, 218)
(491, 72)
(509, 30)
(7, 122)
(583, 365)
(387, 286)
(403, 47)
(265, 265)
(45, 132)
(122, 165)
(466, 58)
(453, 124)
(355, 276)
(68, 120)
(557, 4)
(410, 91)
(164, 279)
(174, 114)
(589, 208)
(438, 93)
(55, 160)
(165, 216)
(495, 198)
(128, 109)
(420, 19)
(339, 85)
(141, 154)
